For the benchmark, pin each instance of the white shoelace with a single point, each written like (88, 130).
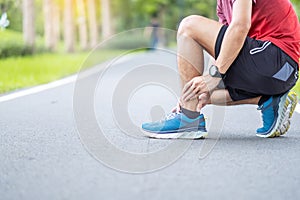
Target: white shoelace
(170, 116)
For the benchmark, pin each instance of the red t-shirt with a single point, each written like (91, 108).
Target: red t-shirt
(274, 20)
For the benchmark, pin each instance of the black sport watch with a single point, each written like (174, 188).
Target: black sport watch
(214, 71)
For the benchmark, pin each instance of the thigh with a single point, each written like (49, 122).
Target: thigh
(203, 30)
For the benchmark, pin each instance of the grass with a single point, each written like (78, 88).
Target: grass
(22, 72)
(8, 35)
(297, 88)
(18, 72)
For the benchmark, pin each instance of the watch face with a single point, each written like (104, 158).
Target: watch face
(213, 71)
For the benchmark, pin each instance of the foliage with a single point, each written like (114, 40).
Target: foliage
(137, 13)
(13, 9)
(297, 88)
(296, 4)
(12, 44)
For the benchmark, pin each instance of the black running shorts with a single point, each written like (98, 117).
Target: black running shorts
(261, 68)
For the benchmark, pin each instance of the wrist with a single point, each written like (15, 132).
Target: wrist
(214, 72)
(221, 68)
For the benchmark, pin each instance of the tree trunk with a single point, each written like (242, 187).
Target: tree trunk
(28, 23)
(93, 28)
(83, 38)
(69, 35)
(48, 24)
(56, 25)
(106, 19)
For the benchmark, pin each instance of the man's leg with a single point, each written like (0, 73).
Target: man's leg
(221, 97)
(276, 110)
(195, 34)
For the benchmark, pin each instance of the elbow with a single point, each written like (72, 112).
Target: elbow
(241, 27)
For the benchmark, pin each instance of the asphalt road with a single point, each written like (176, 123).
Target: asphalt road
(43, 157)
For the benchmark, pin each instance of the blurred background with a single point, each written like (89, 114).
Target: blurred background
(44, 40)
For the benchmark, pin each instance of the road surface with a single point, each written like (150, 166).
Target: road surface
(43, 157)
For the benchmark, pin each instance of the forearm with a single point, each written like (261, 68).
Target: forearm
(233, 42)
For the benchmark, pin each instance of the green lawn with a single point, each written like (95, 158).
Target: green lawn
(297, 88)
(22, 72)
(18, 72)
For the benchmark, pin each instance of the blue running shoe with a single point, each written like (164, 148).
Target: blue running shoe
(276, 114)
(176, 125)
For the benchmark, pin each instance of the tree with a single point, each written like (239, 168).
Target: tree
(28, 22)
(69, 35)
(82, 26)
(49, 31)
(93, 27)
(56, 25)
(124, 10)
(106, 18)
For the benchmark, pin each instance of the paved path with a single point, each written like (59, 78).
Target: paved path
(42, 157)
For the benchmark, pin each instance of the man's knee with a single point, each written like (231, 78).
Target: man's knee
(187, 25)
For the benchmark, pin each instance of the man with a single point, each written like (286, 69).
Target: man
(256, 49)
(154, 32)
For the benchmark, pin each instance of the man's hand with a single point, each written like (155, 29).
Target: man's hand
(199, 85)
(203, 100)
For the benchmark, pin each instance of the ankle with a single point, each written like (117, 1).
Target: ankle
(190, 105)
(190, 114)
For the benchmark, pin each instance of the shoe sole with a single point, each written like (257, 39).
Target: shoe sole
(283, 123)
(191, 135)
